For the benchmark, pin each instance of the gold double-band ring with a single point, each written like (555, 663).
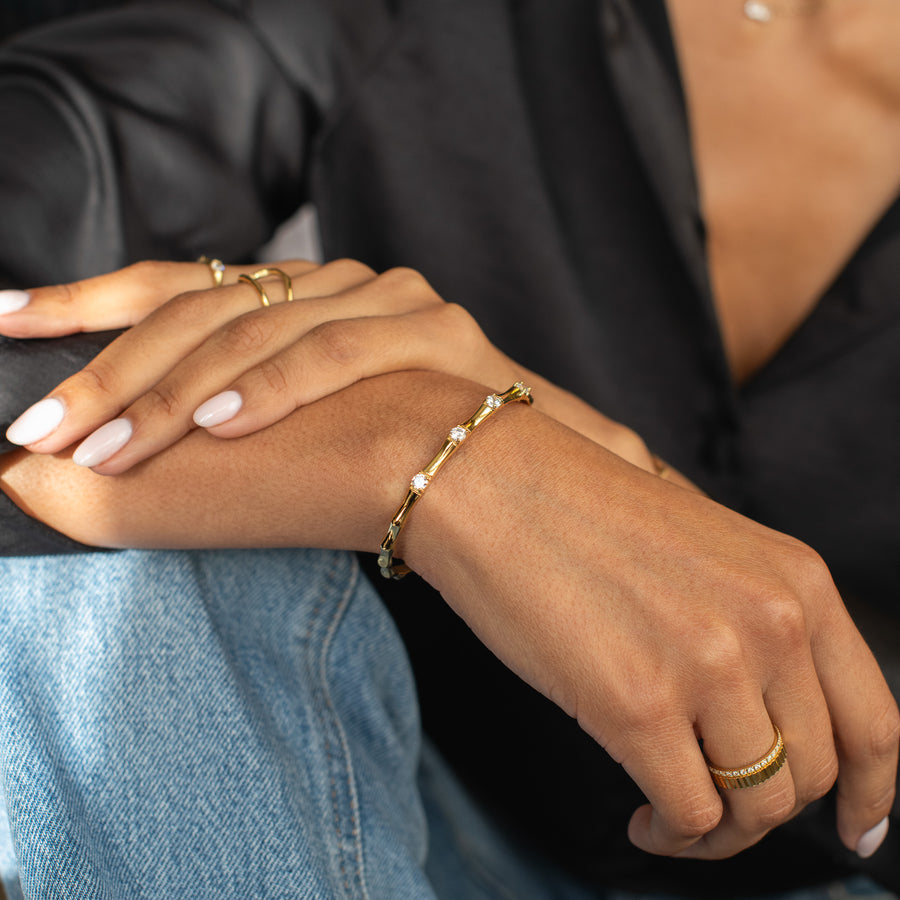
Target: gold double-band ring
(755, 773)
(255, 281)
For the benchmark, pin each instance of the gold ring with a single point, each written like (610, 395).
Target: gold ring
(285, 279)
(216, 269)
(757, 772)
(267, 272)
(660, 466)
(251, 280)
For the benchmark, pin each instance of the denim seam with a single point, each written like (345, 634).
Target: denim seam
(77, 872)
(352, 870)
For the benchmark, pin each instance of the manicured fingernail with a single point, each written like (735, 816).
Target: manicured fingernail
(103, 443)
(36, 422)
(13, 301)
(872, 839)
(218, 409)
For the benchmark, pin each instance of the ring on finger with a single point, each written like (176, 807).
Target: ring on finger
(267, 272)
(216, 269)
(754, 773)
(660, 466)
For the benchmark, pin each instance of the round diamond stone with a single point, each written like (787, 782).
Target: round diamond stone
(217, 266)
(494, 402)
(419, 482)
(458, 434)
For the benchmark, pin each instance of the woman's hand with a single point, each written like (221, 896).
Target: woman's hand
(652, 615)
(658, 618)
(220, 360)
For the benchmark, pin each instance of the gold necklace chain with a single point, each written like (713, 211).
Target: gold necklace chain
(763, 11)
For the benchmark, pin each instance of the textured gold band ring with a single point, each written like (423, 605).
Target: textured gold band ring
(757, 772)
(259, 274)
(216, 269)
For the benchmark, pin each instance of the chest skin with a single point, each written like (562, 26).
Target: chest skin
(795, 127)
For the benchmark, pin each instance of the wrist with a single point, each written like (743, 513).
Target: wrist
(470, 515)
(330, 475)
(457, 436)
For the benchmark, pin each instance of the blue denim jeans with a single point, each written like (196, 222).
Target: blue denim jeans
(228, 724)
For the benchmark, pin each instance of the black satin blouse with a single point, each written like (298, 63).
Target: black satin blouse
(532, 159)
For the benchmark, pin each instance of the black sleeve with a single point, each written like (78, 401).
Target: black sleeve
(157, 129)
(20, 535)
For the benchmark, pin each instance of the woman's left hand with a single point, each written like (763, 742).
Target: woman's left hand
(217, 358)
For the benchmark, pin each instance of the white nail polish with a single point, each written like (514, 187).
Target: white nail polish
(13, 301)
(107, 440)
(218, 409)
(872, 839)
(37, 422)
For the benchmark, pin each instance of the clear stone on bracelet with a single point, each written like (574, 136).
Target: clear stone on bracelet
(494, 402)
(419, 482)
(458, 434)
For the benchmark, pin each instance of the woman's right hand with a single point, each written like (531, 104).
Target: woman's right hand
(659, 619)
(651, 614)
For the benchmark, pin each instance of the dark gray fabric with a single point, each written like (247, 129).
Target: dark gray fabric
(24, 536)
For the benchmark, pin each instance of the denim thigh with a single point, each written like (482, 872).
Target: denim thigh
(206, 724)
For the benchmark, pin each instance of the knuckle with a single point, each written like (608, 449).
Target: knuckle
(68, 293)
(783, 615)
(820, 782)
(163, 398)
(351, 269)
(402, 278)
(273, 375)
(777, 807)
(720, 654)
(808, 568)
(97, 379)
(884, 735)
(645, 712)
(336, 341)
(454, 326)
(769, 817)
(628, 444)
(185, 311)
(875, 806)
(246, 334)
(698, 817)
(146, 269)
(457, 322)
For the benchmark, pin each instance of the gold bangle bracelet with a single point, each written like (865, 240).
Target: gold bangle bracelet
(421, 480)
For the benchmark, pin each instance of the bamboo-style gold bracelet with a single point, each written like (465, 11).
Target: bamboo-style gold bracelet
(421, 480)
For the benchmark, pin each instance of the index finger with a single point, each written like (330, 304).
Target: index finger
(684, 804)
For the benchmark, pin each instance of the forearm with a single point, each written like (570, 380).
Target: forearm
(648, 612)
(330, 475)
